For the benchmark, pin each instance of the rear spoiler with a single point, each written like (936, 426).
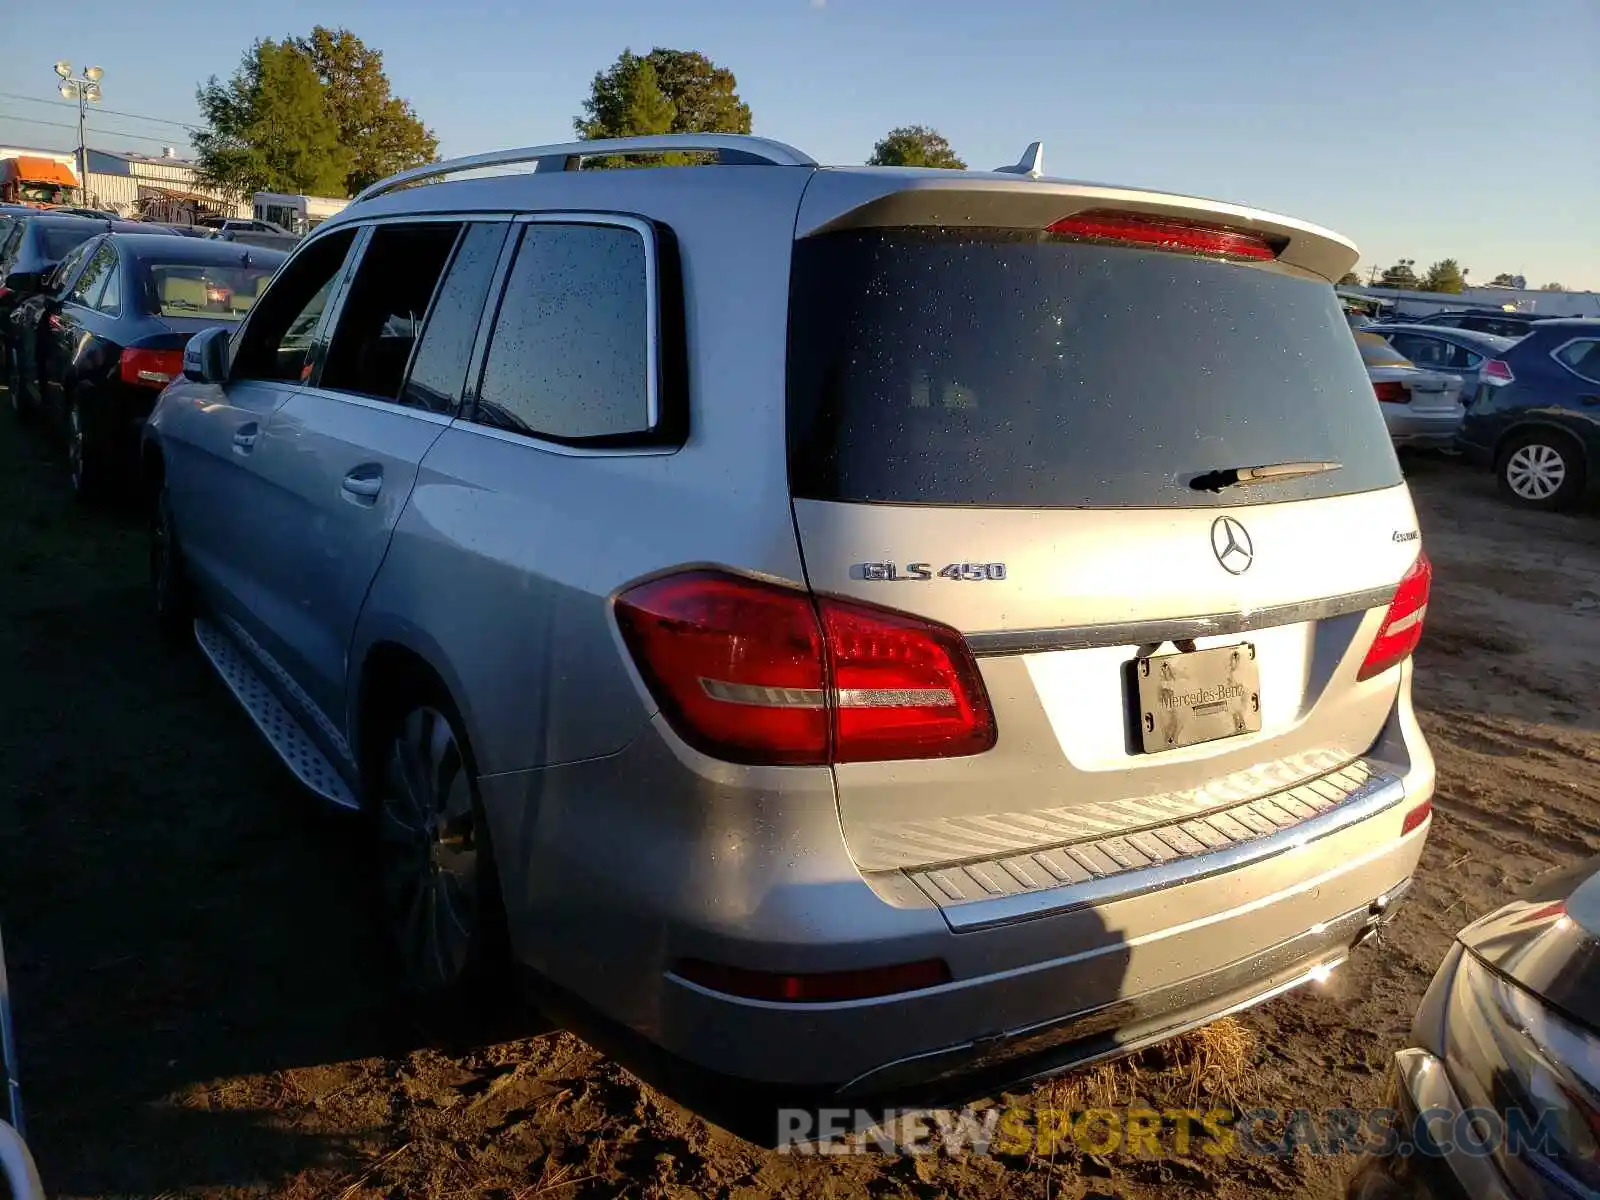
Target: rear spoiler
(1020, 197)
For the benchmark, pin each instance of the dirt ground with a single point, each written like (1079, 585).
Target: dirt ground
(200, 1006)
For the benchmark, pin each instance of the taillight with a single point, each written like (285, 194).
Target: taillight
(1496, 372)
(151, 368)
(1416, 817)
(1402, 624)
(1164, 233)
(1392, 393)
(759, 673)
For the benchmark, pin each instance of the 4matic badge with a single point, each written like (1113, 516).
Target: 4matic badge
(921, 572)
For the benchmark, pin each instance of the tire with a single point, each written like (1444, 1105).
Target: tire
(439, 890)
(87, 467)
(13, 377)
(1541, 469)
(170, 594)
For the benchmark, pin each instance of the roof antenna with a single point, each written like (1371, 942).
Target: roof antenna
(1030, 164)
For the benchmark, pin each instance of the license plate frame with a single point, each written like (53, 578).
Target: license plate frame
(1196, 696)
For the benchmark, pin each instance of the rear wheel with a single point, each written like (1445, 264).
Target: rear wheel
(1541, 469)
(13, 377)
(440, 891)
(169, 584)
(86, 458)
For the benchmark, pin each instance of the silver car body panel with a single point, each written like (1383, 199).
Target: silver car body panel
(495, 558)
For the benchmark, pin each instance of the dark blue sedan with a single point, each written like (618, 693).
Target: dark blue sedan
(96, 347)
(1536, 417)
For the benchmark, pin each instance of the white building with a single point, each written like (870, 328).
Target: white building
(1528, 300)
(128, 183)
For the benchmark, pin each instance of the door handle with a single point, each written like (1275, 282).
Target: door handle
(244, 438)
(364, 486)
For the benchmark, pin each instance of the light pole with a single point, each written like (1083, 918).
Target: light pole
(85, 89)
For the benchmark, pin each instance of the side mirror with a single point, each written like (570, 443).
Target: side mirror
(205, 358)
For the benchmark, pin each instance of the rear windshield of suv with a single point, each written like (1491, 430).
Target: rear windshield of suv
(1005, 369)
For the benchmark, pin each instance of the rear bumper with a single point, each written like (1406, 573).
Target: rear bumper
(1422, 430)
(614, 870)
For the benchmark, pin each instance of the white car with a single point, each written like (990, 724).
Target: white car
(1421, 408)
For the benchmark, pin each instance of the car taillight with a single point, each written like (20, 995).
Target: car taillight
(151, 368)
(817, 987)
(1496, 372)
(1402, 624)
(1164, 233)
(1392, 393)
(759, 673)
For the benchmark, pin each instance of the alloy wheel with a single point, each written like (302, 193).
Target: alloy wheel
(1536, 471)
(428, 842)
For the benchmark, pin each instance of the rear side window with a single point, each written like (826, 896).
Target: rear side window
(1016, 369)
(88, 286)
(570, 356)
(382, 316)
(439, 370)
(1581, 358)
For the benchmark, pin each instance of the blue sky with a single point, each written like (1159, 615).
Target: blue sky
(1426, 128)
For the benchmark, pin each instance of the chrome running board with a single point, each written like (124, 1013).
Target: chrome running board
(283, 733)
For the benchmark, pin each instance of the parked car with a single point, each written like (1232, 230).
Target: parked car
(18, 1174)
(1498, 1093)
(1422, 409)
(1458, 352)
(94, 351)
(33, 244)
(73, 210)
(1536, 417)
(861, 629)
(1495, 321)
(256, 233)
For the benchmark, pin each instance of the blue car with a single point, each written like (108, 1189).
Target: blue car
(1536, 416)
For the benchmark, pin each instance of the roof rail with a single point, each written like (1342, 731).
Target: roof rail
(730, 149)
(1030, 164)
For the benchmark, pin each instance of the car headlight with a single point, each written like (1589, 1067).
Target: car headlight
(1508, 1052)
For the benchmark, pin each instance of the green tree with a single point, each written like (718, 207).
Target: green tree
(1446, 275)
(1349, 279)
(1553, 287)
(269, 128)
(914, 146)
(665, 91)
(380, 130)
(1402, 275)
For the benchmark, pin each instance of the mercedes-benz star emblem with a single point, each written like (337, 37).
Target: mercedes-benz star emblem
(1232, 546)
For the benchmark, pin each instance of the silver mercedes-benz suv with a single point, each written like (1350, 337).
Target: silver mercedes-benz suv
(853, 627)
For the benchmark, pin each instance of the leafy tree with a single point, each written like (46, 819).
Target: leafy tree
(914, 146)
(1446, 275)
(1553, 287)
(1349, 279)
(1505, 280)
(665, 91)
(380, 130)
(269, 127)
(1402, 275)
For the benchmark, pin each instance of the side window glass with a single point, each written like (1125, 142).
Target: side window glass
(439, 369)
(56, 282)
(279, 341)
(1462, 359)
(382, 316)
(570, 355)
(1582, 358)
(109, 299)
(87, 287)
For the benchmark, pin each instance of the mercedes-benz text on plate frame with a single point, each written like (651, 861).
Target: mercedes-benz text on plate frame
(1231, 543)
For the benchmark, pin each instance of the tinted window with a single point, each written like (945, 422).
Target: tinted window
(569, 358)
(440, 367)
(1582, 358)
(383, 313)
(996, 368)
(58, 239)
(108, 297)
(1422, 350)
(94, 275)
(67, 269)
(280, 340)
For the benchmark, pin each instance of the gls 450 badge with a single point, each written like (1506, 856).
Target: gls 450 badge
(921, 572)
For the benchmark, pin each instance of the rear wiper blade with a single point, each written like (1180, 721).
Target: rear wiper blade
(1216, 481)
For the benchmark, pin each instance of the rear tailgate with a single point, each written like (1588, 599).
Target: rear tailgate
(1001, 430)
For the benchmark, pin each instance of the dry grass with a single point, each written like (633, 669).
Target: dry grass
(1212, 1062)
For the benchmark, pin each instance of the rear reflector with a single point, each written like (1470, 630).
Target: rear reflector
(1416, 817)
(1402, 624)
(1392, 393)
(1164, 233)
(151, 368)
(756, 672)
(1496, 372)
(816, 988)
